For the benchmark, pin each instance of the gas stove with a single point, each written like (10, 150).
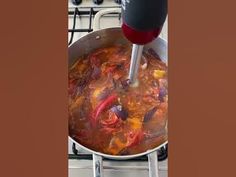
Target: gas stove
(81, 15)
(94, 3)
(81, 18)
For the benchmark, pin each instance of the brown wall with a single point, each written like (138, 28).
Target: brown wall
(33, 88)
(202, 88)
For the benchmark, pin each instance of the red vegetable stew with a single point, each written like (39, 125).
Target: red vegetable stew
(106, 114)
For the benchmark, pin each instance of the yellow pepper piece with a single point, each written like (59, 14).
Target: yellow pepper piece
(157, 74)
(97, 92)
(116, 146)
(134, 123)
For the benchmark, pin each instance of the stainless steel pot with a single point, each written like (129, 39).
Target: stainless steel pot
(104, 38)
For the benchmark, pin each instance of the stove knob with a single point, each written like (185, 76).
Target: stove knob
(98, 1)
(118, 1)
(76, 2)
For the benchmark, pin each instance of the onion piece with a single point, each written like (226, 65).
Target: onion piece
(120, 112)
(162, 94)
(144, 65)
(96, 72)
(148, 116)
(125, 84)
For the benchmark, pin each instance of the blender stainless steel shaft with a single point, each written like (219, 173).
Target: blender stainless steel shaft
(136, 56)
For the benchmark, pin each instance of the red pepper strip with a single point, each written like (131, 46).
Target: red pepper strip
(113, 119)
(134, 138)
(97, 111)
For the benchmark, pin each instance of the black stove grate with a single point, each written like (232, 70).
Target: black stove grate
(77, 13)
(162, 152)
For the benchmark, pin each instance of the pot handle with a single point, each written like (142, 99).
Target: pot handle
(99, 14)
(153, 164)
(97, 166)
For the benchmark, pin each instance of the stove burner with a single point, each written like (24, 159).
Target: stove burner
(76, 12)
(118, 1)
(98, 2)
(76, 2)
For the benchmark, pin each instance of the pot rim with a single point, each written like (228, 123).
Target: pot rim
(118, 157)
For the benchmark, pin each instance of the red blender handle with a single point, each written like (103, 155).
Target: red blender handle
(140, 37)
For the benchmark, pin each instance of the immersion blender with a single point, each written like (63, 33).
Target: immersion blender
(142, 23)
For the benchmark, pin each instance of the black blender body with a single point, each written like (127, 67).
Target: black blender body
(143, 19)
